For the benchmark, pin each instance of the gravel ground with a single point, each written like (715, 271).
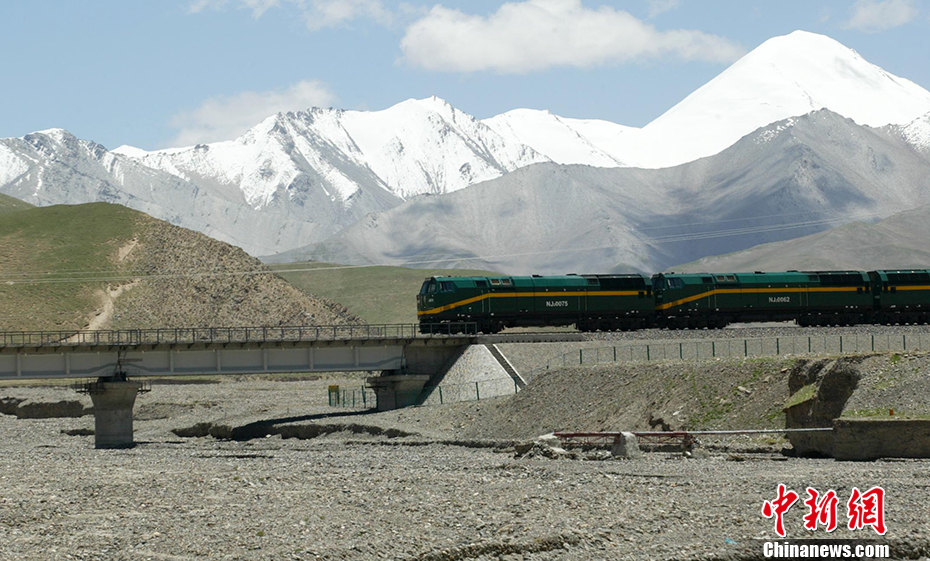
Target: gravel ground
(352, 494)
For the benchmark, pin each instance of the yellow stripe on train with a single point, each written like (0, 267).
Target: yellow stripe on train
(481, 297)
(710, 293)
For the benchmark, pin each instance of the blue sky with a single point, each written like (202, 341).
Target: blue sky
(162, 73)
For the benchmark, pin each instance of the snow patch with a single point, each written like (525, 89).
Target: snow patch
(771, 133)
(11, 165)
(917, 132)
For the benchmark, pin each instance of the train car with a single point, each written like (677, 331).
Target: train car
(696, 300)
(901, 295)
(590, 302)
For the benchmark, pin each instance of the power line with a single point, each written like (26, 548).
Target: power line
(55, 277)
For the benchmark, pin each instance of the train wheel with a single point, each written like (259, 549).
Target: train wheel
(490, 327)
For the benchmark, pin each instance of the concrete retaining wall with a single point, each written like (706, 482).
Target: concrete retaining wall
(868, 439)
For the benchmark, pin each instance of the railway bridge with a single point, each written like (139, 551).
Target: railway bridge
(405, 358)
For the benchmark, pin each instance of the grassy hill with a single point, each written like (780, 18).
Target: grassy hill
(9, 204)
(98, 265)
(375, 294)
(51, 258)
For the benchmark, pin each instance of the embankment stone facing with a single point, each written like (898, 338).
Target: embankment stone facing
(474, 375)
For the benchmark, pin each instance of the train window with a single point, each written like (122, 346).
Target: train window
(909, 278)
(731, 278)
(495, 282)
(840, 279)
(675, 283)
(447, 286)
(432, 287)
(425, 287)
(622, 283)
(481, 283)
(506, 282)
(721, 278)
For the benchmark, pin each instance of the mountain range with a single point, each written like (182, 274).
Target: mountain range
(749, 157)
(791, 178)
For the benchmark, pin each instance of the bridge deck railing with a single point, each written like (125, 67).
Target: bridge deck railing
(210, 335)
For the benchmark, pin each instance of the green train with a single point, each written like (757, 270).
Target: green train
(674, 300)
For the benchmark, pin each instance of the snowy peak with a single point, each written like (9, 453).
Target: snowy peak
(917, 132)
(786, 76)
(53, 141)
(414, 147)
(428, 146)
(802, 72)
(562, 140)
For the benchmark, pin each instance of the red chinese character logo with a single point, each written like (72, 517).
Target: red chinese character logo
(822, 511)
(779, 507)
(867, 509)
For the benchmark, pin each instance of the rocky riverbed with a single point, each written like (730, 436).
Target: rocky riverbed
(427, 483)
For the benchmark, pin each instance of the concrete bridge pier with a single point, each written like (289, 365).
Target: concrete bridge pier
(394, 391)
(423, 360)
(113, 400)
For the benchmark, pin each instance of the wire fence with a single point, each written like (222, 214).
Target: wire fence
(701, 349)
(365, 398)
(704, 349)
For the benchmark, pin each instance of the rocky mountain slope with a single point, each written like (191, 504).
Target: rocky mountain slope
(897, 242)
(101, 266)
(791, 178)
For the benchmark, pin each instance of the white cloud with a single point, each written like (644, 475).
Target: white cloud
(318, 14)
(330, 13)
(258, 7)
(227, 117)
(873, 16)
(538, 34)
(657, 7)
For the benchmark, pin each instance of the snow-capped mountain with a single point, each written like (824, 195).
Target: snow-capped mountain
(301, 177)
(415, 147)
(54, 167)
(786, 76)
(791, 178)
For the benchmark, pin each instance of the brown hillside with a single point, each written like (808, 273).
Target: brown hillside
(102, 266)
(188, 279)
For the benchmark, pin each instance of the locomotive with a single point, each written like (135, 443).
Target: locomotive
(674, 300)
